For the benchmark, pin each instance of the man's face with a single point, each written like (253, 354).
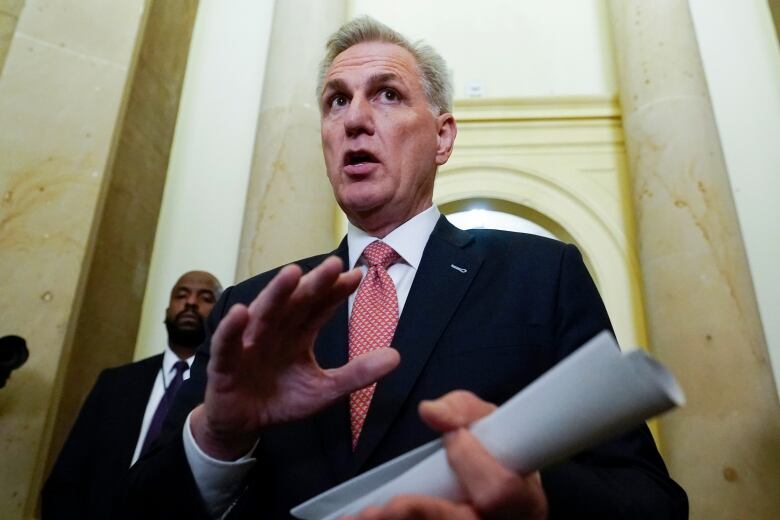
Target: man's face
(192, 298)
(382, 144)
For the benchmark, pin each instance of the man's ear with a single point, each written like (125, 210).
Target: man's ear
(446, 137)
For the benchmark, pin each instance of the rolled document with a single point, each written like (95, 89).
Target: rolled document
(594, 394)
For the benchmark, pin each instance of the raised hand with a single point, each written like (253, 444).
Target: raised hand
(262, 369)
(493, 491)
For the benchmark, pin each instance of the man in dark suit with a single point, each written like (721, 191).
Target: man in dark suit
(117, 419)
(278, 401)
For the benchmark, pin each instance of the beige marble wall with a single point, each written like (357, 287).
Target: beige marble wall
(290, 208)
(724, 446)
(62, 94)
(9, 15)
(105, 333)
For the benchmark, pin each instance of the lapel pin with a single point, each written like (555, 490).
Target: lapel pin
(459, 269)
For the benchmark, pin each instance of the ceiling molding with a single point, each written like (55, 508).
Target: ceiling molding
(540, 108)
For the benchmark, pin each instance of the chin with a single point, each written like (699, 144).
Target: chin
(364, 202)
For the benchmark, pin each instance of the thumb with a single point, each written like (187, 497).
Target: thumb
(362, 371)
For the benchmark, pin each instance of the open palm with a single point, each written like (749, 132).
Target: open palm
(262, 369)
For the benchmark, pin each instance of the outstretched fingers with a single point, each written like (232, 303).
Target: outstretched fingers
(294, 303)
(265, 310)
(226, 344)
(345, 284)
(361, 372)
(320, 291)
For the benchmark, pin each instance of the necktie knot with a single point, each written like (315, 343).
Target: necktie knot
(180, 367)
(178, 377)
(378, 253)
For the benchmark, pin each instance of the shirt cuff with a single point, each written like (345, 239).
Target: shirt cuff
(218, 481)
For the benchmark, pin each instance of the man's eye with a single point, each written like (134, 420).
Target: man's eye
(338, 100)
(389, 94)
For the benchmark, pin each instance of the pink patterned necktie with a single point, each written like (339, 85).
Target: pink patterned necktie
(373, 321)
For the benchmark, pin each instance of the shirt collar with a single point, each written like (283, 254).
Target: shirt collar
(408, 239)
(170, 359)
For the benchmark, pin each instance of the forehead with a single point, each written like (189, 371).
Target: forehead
(195, 281)
(371, 58)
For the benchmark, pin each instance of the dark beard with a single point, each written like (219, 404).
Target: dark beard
(185, 337)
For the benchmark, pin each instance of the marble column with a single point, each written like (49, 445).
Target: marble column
(105, 333)
(724, 446)
(202, 209)
(62, 95)
(289, 207)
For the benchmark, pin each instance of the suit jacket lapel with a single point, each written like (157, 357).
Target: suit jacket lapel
(330, 350)
(132, 403)
(446, 270)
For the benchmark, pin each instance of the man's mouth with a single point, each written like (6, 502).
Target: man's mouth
(188, 317)
(360, 162)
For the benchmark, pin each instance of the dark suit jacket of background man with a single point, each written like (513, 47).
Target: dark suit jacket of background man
(98, 451)
(515, 306)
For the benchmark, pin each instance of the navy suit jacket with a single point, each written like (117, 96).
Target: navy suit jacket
(489, 312)
(97, 454)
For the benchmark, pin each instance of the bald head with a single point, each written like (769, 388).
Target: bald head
(202, 279)
(192, 298)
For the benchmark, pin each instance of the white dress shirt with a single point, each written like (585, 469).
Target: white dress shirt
(164, 377)
(408, 240)
(219, 480)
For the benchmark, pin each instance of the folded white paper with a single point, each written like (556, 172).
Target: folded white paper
(592, 395)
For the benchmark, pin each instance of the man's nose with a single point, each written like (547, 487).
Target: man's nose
(192, 300)
(359, 118)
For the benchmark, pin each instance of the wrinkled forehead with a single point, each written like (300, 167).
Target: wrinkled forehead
(368, 59)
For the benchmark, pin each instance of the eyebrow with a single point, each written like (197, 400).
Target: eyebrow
(339, 84)
(383, 78)
(188, 289)
(334, 84)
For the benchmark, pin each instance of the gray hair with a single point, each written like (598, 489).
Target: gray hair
(432, 68)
